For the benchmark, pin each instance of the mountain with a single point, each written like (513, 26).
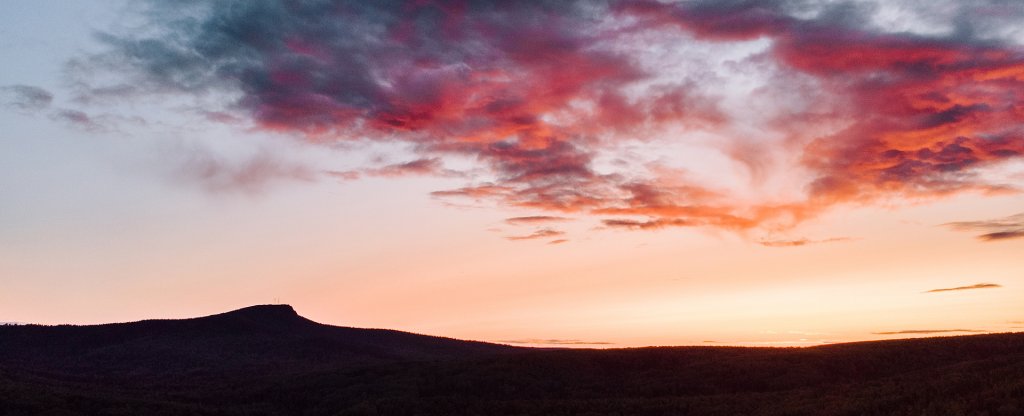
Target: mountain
(254, 339)
(269, 360)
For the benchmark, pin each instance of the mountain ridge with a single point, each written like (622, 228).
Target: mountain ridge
(268, 359)
(247, 339)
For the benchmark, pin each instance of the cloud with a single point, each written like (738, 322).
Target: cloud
(993, 230)
(558, 241)
(431, 166)
(926, 331)
(103, 122)
(77, 119)
(534, 219)
(348, 175)
(976, 286)
(545, 233)
(652, 224)
(195, 164)
(1002, 235)
(474, 192)
(220, 117)
(800, 242)
(919, 115)
(554, 342)
(418, 167)
(538, 94)
(25, 97)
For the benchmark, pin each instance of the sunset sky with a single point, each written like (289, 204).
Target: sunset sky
(568, 173)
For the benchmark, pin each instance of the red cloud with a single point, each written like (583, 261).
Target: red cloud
(924, 111)
(536, 91)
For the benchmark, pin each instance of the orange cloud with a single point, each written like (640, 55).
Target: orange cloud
(535, 92)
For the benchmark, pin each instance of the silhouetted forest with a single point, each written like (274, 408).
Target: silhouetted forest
(267, 360)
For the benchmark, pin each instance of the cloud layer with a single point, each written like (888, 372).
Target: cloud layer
(925, 331)
(545, 95)
(554, 342)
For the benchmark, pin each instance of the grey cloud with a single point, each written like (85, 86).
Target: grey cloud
(197, 165)
(25, 97)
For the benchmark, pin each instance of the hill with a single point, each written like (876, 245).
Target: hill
(269, 360)
(264, 338)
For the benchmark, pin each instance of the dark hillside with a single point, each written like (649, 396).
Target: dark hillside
(269, 360)
(257, 339)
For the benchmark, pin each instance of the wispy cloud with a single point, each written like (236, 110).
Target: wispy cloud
(558, 241)
(545, 233)
(800, 242)
(484, 191)
(197, 165)
(96, 123)
(971, 287)
(535, 219)
(652, 224)
(554, 342)
(419, 167)
(993, 230)
(78, 119)
(25, 97)
(346, 175)
(926, 331)
(1002, 235)
(425, 166)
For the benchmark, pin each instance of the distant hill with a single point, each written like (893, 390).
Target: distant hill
(269, 360)
(254, 339)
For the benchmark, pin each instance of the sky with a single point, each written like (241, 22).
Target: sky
(572, 173)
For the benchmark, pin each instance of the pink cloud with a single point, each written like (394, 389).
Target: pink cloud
(533, 93)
